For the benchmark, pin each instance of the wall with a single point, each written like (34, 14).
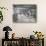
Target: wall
(23, 29)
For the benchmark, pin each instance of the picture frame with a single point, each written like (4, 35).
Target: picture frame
(23, 13)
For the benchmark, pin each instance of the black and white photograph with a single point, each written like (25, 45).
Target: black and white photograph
(25, 13)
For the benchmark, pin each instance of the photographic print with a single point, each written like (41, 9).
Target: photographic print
(24, 13)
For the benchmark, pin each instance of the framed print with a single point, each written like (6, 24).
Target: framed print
(24, 13)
